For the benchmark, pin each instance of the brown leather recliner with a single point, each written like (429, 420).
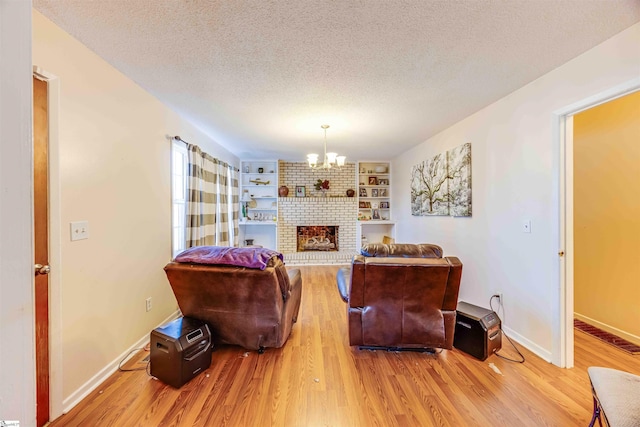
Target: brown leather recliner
(401, 296)
(251, 307)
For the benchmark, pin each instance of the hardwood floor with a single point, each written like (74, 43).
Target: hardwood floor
(316, 379)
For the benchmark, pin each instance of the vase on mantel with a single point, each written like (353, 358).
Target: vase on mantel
(283, 191)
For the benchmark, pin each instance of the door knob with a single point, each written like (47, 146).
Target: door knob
(42, 269)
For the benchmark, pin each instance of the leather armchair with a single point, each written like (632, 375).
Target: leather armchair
(254, 308)
(401, 296)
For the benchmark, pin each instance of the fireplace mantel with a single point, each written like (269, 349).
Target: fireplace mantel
(328, 199)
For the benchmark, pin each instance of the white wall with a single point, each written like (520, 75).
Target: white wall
(114, 166)
(17, 352)
(515, 171)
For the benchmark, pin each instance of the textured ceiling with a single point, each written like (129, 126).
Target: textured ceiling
(260, 77)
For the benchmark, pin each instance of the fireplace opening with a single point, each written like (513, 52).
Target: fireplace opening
(317, 238)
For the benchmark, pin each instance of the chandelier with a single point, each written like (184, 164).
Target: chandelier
(329, 160)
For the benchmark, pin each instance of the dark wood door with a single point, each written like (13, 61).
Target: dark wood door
(41, 245)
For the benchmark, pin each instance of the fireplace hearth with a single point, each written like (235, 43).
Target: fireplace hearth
(317, 238)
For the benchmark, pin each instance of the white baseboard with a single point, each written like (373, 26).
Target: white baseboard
(615, 331)
(530, 345)
(93, 383)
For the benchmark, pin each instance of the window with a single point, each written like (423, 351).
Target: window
(179, 196)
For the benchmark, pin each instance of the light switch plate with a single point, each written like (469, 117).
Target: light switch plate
(79, 230)
(526, 226)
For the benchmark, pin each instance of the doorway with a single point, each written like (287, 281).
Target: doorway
(606, 207)
(563, 351)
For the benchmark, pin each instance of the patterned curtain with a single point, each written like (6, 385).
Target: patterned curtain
(224, 227)
(234, 207)
(209, 184)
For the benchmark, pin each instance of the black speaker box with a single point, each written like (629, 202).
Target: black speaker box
(180, 350)
(478, 331)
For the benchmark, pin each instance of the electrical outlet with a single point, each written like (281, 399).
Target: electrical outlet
(148, 301)
(498, 296)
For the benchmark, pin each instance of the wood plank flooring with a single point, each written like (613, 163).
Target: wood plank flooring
(316, 379)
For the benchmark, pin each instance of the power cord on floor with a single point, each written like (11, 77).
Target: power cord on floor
(146, 368)
(522, 359)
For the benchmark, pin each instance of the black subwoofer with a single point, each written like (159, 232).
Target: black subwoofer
(477, 331)
(180, 350)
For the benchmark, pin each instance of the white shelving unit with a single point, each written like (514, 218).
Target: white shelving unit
(374, 202)
(259, 180)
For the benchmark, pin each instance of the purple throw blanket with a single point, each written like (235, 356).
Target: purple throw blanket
(241, 257)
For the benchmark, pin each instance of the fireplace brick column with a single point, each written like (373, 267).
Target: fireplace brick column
(295, 211)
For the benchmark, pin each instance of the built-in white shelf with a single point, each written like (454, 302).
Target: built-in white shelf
(264, 201)
(374, 202)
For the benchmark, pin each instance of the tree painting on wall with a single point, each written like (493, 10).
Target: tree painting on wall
(429, 187)
(441, 185)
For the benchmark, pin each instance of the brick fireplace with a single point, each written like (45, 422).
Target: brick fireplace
(339, 211)
(312, 212)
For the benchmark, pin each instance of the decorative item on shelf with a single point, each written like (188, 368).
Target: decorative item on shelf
(329, 160)
(246, 200)
(363, 192)
(381, 169)
(363, 217)
(323, 186)
(283, 191)
(246, 169)
(351, 192)
(373, 180)
(258, 181)
(260, 170)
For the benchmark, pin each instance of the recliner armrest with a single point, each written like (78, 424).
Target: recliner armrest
(294, 276)
(343, 278)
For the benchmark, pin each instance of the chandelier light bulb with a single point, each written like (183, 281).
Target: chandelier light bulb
(312, 159)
